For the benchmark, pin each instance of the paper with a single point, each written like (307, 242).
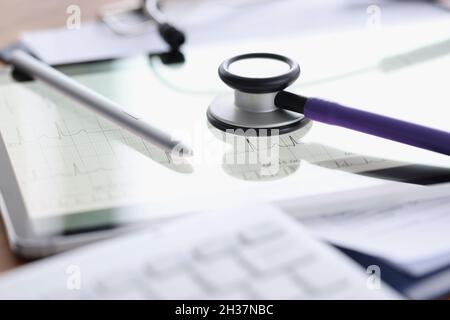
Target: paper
(238, 253)
(408, 226)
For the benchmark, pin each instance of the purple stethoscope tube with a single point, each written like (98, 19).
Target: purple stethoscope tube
(367, 122)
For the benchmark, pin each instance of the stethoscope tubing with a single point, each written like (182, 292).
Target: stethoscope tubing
(370, 123)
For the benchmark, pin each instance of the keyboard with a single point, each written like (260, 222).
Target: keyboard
(239, 253)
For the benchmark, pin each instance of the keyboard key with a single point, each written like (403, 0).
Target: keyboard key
(236, 294)
(123, 285)
(215, 246)
(261, 232)
(276, 254)
(168, 263)
(222, 272)
(321, 275)
(181, 285)
(63, 295)
(126, 294)
(279, 287)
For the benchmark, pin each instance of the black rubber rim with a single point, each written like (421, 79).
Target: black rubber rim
(281, 129)
(259, 85)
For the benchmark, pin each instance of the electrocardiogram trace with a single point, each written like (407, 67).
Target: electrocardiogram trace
(88, 162)
(71, 147)
(290, 151)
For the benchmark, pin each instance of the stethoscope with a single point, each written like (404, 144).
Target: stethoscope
(259, 104)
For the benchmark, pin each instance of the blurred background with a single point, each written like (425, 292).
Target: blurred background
(293, 16)
(18, 16)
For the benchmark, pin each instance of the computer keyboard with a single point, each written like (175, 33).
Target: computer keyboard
(228, 255)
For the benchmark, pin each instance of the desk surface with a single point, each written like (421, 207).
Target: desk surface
(18, 16)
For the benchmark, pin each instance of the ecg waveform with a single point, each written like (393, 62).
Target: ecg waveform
(67, 159)
(291, 151)
(59, 149)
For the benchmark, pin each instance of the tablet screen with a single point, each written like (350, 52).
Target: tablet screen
(68, 159)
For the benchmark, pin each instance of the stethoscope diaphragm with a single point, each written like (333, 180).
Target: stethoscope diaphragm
(251, 108)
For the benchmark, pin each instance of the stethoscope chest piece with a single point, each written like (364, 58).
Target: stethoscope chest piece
(260, 106)
(251, 109)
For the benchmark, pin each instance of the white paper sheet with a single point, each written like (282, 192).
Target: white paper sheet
(409, 226)
(238, 253)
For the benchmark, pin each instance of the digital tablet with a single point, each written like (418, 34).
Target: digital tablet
(69, 177)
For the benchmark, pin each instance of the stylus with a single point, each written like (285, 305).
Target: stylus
(96, 102)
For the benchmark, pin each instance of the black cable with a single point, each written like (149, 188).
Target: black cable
(174, 37)
(289, 101)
